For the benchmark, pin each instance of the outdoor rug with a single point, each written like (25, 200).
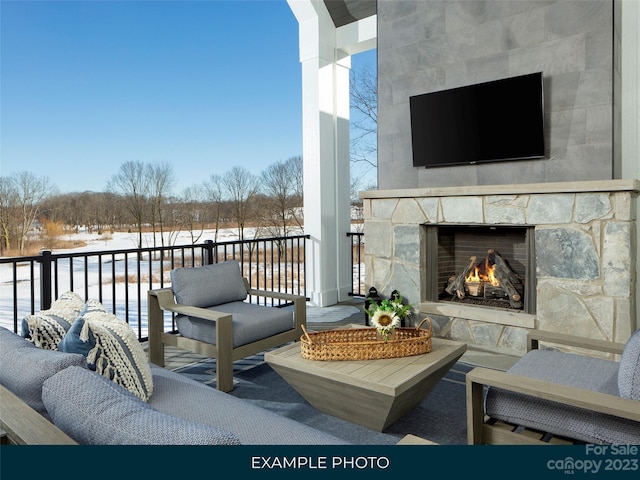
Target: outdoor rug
(440, 418)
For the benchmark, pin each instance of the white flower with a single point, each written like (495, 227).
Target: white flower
(397, 305)
(385, 320)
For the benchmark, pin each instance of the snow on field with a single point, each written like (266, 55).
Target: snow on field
(110, 266)
(125, 240)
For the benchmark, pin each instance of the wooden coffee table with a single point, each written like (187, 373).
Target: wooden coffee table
(371, 393)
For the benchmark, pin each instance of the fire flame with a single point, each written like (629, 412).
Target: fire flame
(487, 275)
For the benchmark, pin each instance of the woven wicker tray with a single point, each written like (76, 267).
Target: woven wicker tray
(363, 343)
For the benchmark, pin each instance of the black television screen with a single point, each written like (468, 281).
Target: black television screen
(487, 122)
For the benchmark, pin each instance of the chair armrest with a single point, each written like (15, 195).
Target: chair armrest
(279, 295)
(270, 294)
(199, 312)
(167, 302)
(576, 397)
(536, 336)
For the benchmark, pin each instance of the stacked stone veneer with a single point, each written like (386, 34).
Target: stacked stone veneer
(585, 255)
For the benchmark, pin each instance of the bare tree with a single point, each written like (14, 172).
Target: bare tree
(93, 210)
(191, 213)
(296, 171)
(279, 185)
(214, 193)
(31, 191)
(240, 186)
(161, 179)
(8, 209)
(132, 182)
(363, 88)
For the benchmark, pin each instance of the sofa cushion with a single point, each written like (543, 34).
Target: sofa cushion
(117, 353)
(208, 285)
(250, 323)
(629, 371)
(94, 411)
(25, 367)
(573, 370)
(46, 328)
(180, 396)
(74, 341)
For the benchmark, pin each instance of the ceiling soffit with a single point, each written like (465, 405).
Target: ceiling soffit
(344, 12)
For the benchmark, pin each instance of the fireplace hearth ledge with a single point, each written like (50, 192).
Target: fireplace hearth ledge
(517, 189)
(481, 314)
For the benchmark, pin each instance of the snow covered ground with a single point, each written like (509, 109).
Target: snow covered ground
(72, 277)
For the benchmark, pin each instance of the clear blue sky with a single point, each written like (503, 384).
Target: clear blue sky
(203, 85)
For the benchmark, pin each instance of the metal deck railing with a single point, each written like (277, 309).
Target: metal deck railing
(120, 279)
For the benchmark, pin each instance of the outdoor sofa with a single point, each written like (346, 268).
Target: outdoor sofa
(54, 397)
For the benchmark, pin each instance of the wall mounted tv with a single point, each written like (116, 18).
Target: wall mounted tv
(487, 122)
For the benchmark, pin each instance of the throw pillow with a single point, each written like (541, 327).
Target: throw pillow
(68, 300)
(117, 353)
(629, 370)
(94, 411)
(74, 341)
(45, 329)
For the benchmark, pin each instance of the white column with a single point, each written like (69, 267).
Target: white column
(325, 150)
(326, 184)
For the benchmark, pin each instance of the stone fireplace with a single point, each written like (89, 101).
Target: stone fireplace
(573, 246)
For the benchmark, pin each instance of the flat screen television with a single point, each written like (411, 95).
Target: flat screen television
(487, 122)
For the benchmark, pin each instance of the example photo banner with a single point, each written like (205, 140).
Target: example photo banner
(330, 462)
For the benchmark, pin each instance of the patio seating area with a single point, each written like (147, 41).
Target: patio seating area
(347, 313)
(450, 406)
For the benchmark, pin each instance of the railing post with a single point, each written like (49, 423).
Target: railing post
(45, 279)
(207, 254)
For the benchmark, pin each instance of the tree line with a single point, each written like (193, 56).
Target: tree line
(139, 197)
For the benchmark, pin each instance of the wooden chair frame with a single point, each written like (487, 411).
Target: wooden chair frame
(480, 431)
(163, 300)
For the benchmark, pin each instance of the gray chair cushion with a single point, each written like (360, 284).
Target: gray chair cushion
(95, 411)
(208, 285)
(250, 323)
(629, 372)
(25, 367)
(568, 369)
(183, 397)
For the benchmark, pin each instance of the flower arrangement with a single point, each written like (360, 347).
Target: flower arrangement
(387, 315)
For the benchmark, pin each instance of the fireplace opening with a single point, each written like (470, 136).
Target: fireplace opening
(487, 266)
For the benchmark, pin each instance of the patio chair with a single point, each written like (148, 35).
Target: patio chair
(214, 319)
(551, 396)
